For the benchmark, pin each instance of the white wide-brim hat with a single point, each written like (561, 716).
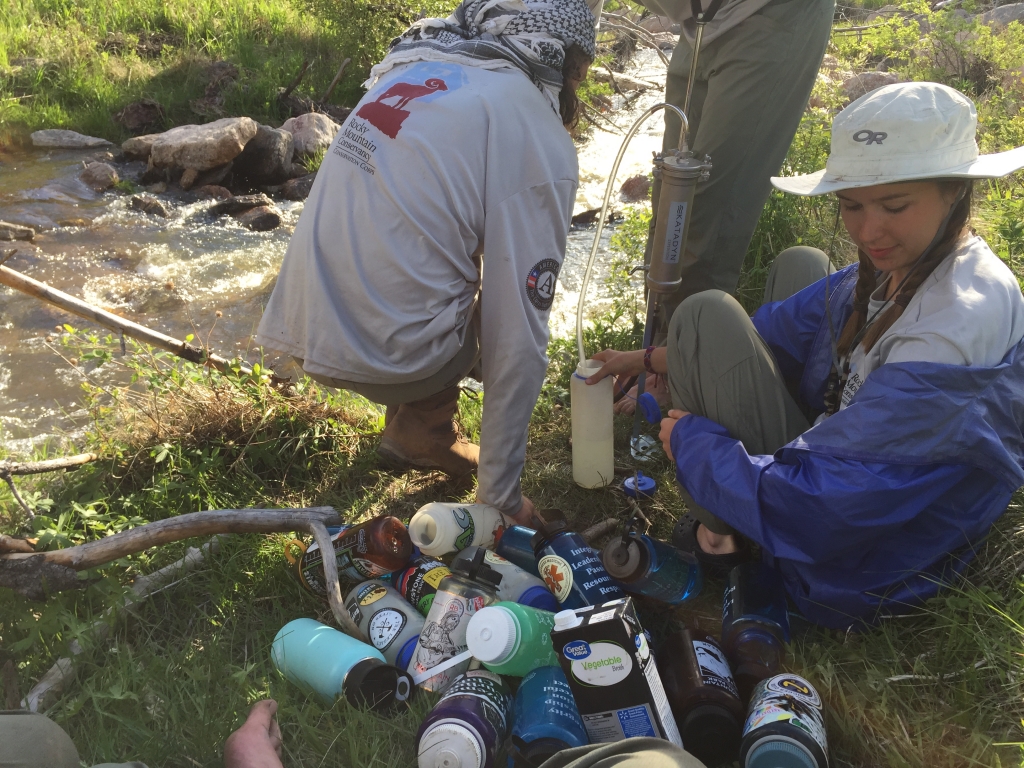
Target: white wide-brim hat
(903, 132)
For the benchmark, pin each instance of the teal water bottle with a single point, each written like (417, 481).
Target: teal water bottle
(322, 660)
(512, 639)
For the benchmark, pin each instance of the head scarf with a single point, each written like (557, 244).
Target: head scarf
(528, 35)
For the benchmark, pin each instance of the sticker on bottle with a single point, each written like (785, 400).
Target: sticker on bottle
(464, 520)
(557, 575)
(606, 664)
(493, 557)
(371, 593)
(714, 669)
(385, 625)
(435, 573)
(787, 699)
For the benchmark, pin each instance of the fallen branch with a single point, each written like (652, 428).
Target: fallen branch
(598, 530)
(8, 467)
(628, 25)
(334, 82)
(295, 83)
(12, 544)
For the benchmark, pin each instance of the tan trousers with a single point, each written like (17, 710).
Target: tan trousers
(720, 368)
(30, 740)
(630, 753)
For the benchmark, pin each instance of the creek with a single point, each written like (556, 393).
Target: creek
(175, 274)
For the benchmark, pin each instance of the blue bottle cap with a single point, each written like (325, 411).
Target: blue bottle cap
(639, 486)
(539, 597)
(649, 408)
(776, 753)
(405, 655)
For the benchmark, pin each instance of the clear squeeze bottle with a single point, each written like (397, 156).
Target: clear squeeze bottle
(571, 568)
(511, 639)
(703, 695)
(517, 585)
(593, 459)
(441, 652)
(365, 551)
(322, 660)
(545, 719)
(438, 528)
(467, 725)
(392, 625)
(514, 545)
(785, 726)
(755, 624)
(651, 568)
(419, 580)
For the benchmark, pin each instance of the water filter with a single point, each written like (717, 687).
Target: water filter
(392, 625)
(517, 585)
(593, 460)
(439, 528)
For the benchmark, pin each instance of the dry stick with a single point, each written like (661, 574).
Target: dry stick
(13, 544)
(17, 496)
(334, 82)
(182, 349)
(632, 26)
(298, 79)
(597, 530)
(48, 465)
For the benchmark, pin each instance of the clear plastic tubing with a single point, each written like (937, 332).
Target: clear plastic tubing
(684, 129)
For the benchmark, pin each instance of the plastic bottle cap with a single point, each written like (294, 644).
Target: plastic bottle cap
(450, 745)
(539, 597)
(566, 619)
(405, 655)
(649, 408)
(422, 530)
(621, 560)
(711, 733)
(492, 634)
(376, 685)
(773, 752)
(639, 486)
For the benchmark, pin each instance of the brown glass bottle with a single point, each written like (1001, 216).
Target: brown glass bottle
(365, 551)
(702, 694)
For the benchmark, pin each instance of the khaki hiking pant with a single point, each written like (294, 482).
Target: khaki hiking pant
(630, 753)
(720, 368)
(751, 88)
(30, 740)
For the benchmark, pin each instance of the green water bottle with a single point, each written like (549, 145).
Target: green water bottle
(512, 639)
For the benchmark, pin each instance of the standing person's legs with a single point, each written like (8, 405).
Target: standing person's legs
(629, 753)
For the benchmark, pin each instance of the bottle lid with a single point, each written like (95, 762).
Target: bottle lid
(567, 619)
(640, 486)
(372, 683)
(649, 408)
(711, 733)
(450, 745)
(539, 597)
(623, 558)
(547, 531)
(492, 634)
(777, 752)
(476, 569)
(405, 655)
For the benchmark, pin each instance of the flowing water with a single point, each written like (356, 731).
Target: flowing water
(175, 274)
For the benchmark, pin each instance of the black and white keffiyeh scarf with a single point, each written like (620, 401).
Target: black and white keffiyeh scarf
(528, 35)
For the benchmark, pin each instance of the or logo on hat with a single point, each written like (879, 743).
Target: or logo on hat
(870, 137)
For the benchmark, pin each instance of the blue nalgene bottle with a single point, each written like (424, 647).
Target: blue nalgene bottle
(514, 545)
(648, 567)
(546, 720)
(572, 569)
(755, 624)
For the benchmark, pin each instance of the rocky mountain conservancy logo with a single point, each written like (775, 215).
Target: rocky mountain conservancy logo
(388, 118)
(557, 575)
(541, 282)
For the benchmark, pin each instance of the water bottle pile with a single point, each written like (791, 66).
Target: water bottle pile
(545, 610)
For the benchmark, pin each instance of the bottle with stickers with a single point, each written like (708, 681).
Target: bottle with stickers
(441, 652)
(511, 639)
(785, 726)
(387, 619)
(467, 725)
(651, 568)
(546, 720)
(517, 585)
(439, 528)
(515, 547)
(365, 551)
(419, 580)
(755, 624)
(571, 568)
(703, 695)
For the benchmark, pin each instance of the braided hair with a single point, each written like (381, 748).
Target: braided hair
(867, 276)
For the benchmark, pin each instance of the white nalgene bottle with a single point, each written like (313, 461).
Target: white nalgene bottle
(438, 528)
(593, 463)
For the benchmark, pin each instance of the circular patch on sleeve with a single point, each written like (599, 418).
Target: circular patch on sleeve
(540, 283)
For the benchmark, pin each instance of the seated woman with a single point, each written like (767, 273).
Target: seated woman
(867, 430)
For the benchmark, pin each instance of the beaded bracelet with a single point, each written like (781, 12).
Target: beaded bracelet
(647, 360)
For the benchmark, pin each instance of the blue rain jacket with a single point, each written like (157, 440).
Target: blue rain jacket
(872, 509)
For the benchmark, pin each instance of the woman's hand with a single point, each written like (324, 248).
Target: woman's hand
(622, 365)
(667, 425)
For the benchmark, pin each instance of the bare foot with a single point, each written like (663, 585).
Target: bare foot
(715, 543)
(657, 385)
(257, 744)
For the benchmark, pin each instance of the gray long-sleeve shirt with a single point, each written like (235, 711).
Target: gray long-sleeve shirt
(377, 286)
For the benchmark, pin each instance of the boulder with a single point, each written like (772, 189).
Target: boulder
(635, 189)
(157, 189)
(298, 189)
(139, 147)
(261, 219)
(267, 158)
(148, 204)
(312, 132)
(99, 176)
(10, 231)
(188, 178)
(236, 205)
(54, 138)
(857, 85)
(214, 175)
(202, 147)
(999, 17)
(140, 116)
(213, 191)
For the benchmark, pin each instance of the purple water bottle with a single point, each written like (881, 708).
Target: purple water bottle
(468, 725)
(546, 719)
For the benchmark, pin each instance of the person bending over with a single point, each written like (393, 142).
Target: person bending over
(431, 242)
(865, 430)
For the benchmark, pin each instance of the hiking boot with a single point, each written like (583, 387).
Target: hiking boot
(422, 435)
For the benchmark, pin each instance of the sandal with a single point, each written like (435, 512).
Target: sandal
(684, 537)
